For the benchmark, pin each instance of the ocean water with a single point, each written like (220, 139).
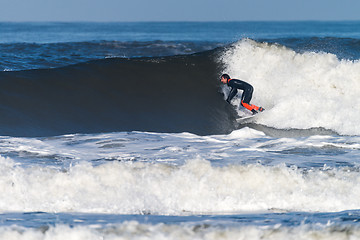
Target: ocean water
(121, 131)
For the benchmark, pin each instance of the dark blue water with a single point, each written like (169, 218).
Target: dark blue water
(293, 219)
(224, 32)
(49, 45)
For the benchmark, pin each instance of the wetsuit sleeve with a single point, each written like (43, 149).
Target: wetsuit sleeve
(232, 94)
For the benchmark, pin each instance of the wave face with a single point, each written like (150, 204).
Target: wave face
(299, 90)
(169, 94)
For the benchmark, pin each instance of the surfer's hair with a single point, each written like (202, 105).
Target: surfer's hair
(225, 76)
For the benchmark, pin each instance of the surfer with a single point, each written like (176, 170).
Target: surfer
(236, 84)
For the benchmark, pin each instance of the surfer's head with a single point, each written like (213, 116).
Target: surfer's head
(224, 78)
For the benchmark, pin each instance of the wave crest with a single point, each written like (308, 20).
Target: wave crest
(299, 90)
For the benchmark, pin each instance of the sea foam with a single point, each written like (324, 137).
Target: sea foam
(159, 188)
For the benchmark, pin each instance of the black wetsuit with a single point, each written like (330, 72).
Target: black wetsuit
(236, 84)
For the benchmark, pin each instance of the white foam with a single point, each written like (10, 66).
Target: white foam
(233, 148)
(157, 188)
(301, 91)
(178, 173)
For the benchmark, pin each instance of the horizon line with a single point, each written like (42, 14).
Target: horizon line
(165, 21)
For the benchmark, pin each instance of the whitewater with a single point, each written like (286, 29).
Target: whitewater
(299, 90)
(242, 185)
(87, 154)
(176, 174)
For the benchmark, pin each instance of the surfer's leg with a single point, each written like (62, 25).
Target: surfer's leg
(247, 94)
(252, 106)
(246, 98)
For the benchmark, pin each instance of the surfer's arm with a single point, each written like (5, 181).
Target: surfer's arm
(232, 94)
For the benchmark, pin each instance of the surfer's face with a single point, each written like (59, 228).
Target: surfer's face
(223, 80)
